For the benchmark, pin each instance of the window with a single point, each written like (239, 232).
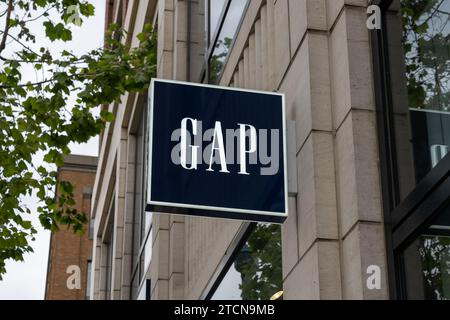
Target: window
(142, 220)
(87, 196)
(224, 19)
(144, 292)
(412, 78)
(215, 9)
(109, 246)
(88, 280)
(419, 60)
(107, 252)
(254, 272)
(91, 228)
(427, 261)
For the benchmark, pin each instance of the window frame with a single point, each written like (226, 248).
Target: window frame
(144, 235)
(212, 41)
(405, 219)
(107, 241)
(88, 293)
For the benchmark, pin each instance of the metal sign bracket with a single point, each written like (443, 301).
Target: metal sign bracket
(291, 146)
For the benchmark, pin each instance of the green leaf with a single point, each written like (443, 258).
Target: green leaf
(107, 116)
(39, 118)
(57, 32)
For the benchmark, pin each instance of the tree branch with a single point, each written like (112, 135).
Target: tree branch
(19, 42)
(78, 77)
(41, 15)
(8, 18)
(34, 84)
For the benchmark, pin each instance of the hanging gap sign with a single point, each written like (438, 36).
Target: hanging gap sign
(216, 152)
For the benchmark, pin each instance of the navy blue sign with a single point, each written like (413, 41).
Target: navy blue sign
(217, 152)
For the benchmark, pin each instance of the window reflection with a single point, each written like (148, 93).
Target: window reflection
(135, 284)
(142, 220)
(144, 292)
(88, 280)
(435, 255)
(430, 138)
(215, 10)
(426, 29)
(225, 39)
(148, 250)
(256, 272)
(109, 262)
(427, 262)
(91, 228)
(420, 85)
(139, 185)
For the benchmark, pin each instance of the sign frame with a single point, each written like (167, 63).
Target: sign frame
(213, 211)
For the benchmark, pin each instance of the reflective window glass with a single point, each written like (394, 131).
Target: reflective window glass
(215, 10)
(148, 250)
(225, 40)
(91, 228)
(109, 262)
(138, 193)
(142, 220)
(135, 284)
(144, 292)
(88, 280)
(420, 86)
(427, 261)
(256, 271)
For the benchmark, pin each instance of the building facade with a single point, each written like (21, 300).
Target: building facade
(70, 257)
(370, 219)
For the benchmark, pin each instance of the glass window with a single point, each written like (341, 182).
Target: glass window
(135, 284)
(88, 280)
(139, 183)
(144, 293)
(427, 261)
(419, 55)
(107, 253)
(148, 250)
(142, 225)
(109, 262)
(145, 258)
(256, 271)
(216, 8)
(142, 219)
(224, 41)
(91, 227)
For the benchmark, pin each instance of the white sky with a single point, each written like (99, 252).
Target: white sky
(26, 280)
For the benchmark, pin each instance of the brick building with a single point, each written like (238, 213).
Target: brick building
(67, 250)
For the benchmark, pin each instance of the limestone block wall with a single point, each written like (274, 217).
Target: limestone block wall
(318, 53)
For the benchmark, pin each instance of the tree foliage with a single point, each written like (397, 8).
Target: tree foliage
(259, 263)
(218, 57)
(426, 41)
(434, 254)
(36, 119)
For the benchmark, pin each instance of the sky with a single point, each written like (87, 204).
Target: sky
(26, 280)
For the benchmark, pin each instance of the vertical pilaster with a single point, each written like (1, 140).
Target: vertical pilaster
(361, 229)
